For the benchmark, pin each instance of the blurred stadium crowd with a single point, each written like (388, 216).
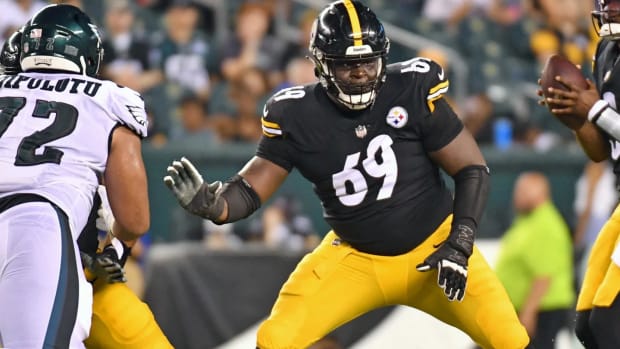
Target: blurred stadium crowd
(205, 67)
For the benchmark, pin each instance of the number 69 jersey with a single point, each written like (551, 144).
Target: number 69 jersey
(379, 189)
(55, 134)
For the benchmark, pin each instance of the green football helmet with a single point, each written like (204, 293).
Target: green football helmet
(61, 37)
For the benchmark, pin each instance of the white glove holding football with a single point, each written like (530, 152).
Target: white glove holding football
(105, 219)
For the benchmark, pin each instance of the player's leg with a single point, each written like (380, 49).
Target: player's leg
(122, 321)
(598, 265)
(485, 314)
(329, 287)
(44, 297)
(605, 322)
(549, 324)
(605, 316)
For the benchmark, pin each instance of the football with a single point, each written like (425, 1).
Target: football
(558, 65)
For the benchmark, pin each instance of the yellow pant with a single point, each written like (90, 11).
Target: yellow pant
(336, 283)
(601, 282)
(122, 321)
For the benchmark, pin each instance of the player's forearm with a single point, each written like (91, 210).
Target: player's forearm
(593, 142)
(129, 236)
(607, 118)
(470, 197)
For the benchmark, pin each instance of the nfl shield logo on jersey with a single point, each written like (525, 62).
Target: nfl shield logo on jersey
(397, 117)
(360, 131)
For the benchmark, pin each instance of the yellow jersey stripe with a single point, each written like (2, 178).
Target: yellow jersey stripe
(270, 129)
(430, 99)
(270, 135)
(269, 124)
(356, 28)
(439, 86)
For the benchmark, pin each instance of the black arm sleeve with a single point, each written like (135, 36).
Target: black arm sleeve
(470, 198)
(241, 198)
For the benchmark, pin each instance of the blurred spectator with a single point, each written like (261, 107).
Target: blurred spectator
(182, 51)
(157, 135)
(197, 127)
(451, 12)
(221, 237)
(253, 46)
(565, 28)
(283, 225)
(477, 114)
(299, 48)
(188, 227)
(535, 261)
(126, 52)
(249, 92)
(595, 199)
(534, 136)
(299, 71)
(15, 13)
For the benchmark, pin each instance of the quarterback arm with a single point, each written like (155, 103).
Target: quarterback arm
(593, 141)
(126, 184)
(607, 118)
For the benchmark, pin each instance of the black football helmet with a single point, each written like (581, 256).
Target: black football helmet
(9, 56)
(61, 37)
(347, 32)
(606, 18)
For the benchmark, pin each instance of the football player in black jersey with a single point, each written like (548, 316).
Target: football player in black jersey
(112, 298)
(372, 139)
(598, 132)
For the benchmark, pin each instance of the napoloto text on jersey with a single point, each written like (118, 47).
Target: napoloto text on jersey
(69, 85)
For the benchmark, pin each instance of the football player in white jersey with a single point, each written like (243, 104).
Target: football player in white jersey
(60, 128)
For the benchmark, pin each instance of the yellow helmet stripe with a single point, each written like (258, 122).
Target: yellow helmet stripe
(356, 28)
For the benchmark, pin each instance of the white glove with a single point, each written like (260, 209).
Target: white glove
(184, 180)
(615, 256)
(105, 219)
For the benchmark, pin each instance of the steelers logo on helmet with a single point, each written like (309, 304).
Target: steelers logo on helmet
(606, 18)
(349, 49)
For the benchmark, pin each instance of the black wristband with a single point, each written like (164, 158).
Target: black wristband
(462, 238)
(241, 198)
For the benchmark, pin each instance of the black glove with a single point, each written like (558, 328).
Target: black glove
(193, 193)
(451, 261)
(105, 265)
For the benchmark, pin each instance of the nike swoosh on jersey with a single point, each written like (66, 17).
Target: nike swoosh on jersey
(440, 75)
